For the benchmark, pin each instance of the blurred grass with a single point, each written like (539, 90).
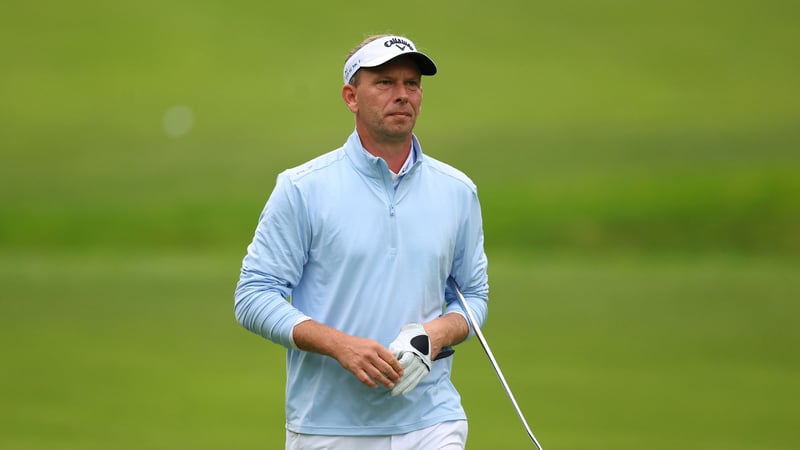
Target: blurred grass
(141, 351)
(638, 168)
(588, 124)
(624, 353)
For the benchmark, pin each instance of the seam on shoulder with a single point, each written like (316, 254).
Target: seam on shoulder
(452, 172)
(319, 163)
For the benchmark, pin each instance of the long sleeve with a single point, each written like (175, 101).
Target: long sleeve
(469, 267)
(273, 266)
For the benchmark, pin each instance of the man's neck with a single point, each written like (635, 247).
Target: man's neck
(394, 153)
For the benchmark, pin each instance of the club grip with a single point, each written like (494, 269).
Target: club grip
(445, 352)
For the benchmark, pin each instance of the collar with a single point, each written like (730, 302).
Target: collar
(375, 167)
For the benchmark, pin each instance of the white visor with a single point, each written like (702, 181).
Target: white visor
(382, 50)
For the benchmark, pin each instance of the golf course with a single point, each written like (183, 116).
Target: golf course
(637, 163)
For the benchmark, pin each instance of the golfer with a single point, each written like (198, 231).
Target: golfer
(349, 271)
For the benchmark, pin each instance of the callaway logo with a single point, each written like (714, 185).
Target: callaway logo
(400, 43)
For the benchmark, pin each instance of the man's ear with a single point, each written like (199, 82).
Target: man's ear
(349, 97)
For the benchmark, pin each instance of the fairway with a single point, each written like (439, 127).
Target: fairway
(142, 352)
(638, 165)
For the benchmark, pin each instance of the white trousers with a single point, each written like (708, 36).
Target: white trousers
(443, 436)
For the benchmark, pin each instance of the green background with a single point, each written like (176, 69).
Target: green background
(638, 165)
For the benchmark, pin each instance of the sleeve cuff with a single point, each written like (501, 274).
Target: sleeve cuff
(291, 335)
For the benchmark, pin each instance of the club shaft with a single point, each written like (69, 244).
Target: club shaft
(477, 329)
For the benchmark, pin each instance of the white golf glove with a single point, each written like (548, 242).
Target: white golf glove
(412, 348)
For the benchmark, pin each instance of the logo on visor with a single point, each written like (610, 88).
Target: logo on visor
(399, 43)
(349, 70)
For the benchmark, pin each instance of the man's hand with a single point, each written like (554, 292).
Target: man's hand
(370, 362)
(366, 359)
(412, 347)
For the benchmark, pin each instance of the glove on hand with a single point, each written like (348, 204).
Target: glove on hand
(412, 348)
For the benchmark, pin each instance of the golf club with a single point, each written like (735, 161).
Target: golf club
(474, 324)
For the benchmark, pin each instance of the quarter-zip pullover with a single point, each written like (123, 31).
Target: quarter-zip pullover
(348, 249)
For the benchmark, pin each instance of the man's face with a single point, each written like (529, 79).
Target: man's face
(387, 100)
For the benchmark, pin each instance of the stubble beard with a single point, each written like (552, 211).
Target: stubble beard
(393, 130)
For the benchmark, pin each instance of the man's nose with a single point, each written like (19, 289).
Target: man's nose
(401, 93)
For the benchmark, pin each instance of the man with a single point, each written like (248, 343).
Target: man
(362, 241)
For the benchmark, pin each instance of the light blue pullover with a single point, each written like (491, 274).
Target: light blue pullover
(357, 254)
